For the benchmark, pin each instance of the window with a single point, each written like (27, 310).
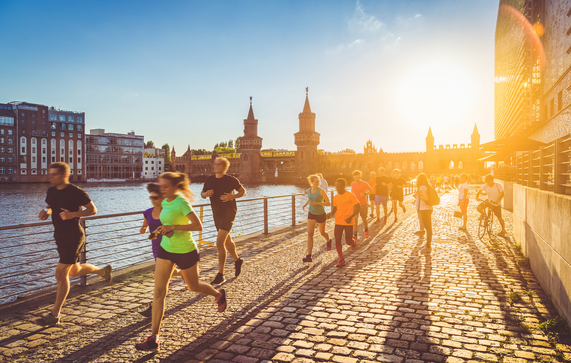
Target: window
(62, 126)
(23, 122)
(53, 117)
(33, 123)
(10, 141)
(34, 114)
(70, 118)
(43, 124)
(552, 107)
(2, 170)
(62, 134)
(62, 117)
(23, 114)
(79, 160)
(10, 160)
(560, 100)
(70, 127)
(79, 119)
(1, 149)
(146, 168)
(70, 160)
(33, 150)
(2, 132)
(43, 159)
(10, 171)
(146, 161)
(1, 140)
(70, 135)
(54, 126)
(33, 159)
(152, 168)
(79, 128)
(10, 150)
(6, 121)
(53, 133)
(2, 159)
(23, 149)
(9, 132)
(53, 159)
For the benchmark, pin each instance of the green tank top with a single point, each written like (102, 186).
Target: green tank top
(315, 197)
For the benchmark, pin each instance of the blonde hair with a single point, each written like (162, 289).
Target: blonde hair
(182, 182)
(358, 172)
(224, 160)
(397, 171)
(312, 177)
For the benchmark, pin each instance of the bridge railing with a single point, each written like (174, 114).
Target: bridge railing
(28, 253)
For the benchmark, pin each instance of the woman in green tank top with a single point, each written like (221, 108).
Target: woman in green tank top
(317, 200)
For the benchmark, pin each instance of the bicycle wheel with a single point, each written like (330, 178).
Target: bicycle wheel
(490, 223)
(483, 227)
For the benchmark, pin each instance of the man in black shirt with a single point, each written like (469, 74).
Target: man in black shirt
(67, 203)
(382, 194)
(220, 189)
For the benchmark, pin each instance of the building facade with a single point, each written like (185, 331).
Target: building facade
(8, 144)
(114, 155)
(153, 163)
(251, 163)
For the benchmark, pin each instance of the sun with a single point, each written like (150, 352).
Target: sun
(436, 94)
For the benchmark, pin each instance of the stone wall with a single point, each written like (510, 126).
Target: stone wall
(542, 226)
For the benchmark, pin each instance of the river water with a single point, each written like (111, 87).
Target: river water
(28, 255)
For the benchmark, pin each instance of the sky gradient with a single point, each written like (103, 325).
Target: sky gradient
(182, 72)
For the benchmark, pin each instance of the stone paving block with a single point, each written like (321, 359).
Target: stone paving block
(244, 359)
(283, 357)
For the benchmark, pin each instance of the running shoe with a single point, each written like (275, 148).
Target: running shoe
(149, 345)
(396, 219)
(366, 234)
(354, 244)
(419, 233)
(307, 259)
(108, 276)
(340, 263)
(426, 249)
(371, 215)
(462, 228)
(221, 301)
(218, 279)
(378, 221)
(148, 312)
(328, 245)
(502, 234)
(49, 320)
(403, 208)
(238, 267)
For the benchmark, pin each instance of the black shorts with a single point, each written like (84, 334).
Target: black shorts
(397, 196)
(224, 220)
(182, 260)
(70, 251)
(320, 218)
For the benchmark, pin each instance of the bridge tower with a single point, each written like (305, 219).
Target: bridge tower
(429, 140)
(306, 140)
(251, 144)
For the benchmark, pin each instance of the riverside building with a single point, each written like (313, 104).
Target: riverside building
(114, 155)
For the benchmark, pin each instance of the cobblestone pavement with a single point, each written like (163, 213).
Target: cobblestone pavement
(469, 300)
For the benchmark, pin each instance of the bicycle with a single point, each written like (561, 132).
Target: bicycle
(487, 222)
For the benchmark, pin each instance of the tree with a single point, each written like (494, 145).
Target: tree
(215, 146)
(167, 150)
(225, 150)
(237, 145)
(230, 143)
(150, 144)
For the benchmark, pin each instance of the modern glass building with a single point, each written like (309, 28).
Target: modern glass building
(114, 156)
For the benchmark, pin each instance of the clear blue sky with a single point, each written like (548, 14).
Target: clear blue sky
(181, 72)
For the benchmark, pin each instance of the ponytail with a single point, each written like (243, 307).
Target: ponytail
(182, 182)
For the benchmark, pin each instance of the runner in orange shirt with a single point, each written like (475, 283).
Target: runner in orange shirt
(373, 183)
(361, 189)
(345, 207)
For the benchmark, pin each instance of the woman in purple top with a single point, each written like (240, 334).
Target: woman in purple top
(150, 224)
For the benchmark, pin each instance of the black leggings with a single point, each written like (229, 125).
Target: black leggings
(339, 229)
(426, 216)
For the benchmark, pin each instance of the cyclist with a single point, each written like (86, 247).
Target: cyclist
(495, 193)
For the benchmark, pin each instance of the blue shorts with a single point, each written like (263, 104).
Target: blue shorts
(381, 199)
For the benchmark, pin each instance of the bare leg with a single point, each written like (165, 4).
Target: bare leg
(378, 210)
(310, 233)
(224, 243)
(323, 232)
(191, 276)
(63, 272)
(356, 225)
(163, 272)
(395, 210)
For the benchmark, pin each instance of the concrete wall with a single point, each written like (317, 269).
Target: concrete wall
(542, 224)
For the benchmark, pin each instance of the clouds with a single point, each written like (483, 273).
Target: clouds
(364, 20)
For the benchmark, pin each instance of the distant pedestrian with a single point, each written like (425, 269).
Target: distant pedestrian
(373, 183)
(152, 221)
(433, 181)
(177, 216)
(317, 199)
(438, 182)
(346, 206)
(67, 203)
(397, 193)
(424, 208)
(220, 188)
(361, 189)
(463, 201)
(323, 182)
(382, 194)
(495, 192)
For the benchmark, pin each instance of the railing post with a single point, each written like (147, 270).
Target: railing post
(293, 210)
(83, 254)
(331, 201)
(556, 167)
(266, 229)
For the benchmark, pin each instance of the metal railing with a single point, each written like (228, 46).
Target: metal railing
(28, 253)
(547, 168)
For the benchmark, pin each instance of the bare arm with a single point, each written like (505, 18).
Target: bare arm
(43, 215)
(326, 201)
(333, 211)
(478, 194)
(465, 194)
(88, 210)
(195, 225)
(356, 210)
(226, 197)
(145, 226)
(502, 195)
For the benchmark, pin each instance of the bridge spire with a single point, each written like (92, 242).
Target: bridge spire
(251, 111)
(306, 107)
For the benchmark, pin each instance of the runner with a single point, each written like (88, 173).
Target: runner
(438, 182)
(373, 183)
(382, 193)
(177, 216)
(397, 194)
(151, 221)
(345, 207)
(322, 182)
(463, 200)
(67, 203)
(425, 210)
(317, 199)
(361, 190)
(433, 181)
(495, 194)
(220, 189)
